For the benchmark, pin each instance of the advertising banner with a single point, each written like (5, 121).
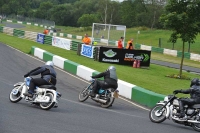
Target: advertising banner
(124, 56)
(87, 50)
(40, 38)
(61, 42)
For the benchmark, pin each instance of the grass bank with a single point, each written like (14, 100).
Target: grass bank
(152, 79)
(146, 36)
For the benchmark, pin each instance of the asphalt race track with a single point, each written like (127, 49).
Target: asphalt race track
(71, 116)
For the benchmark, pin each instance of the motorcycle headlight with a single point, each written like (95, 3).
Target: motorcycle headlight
(166, 99)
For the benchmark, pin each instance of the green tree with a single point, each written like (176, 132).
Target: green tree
(5, 9)
(87, 20)
(44, 10)
(183, 19)
(127, 13)
(61, 14)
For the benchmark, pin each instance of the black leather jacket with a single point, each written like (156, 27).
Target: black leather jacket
(194, 92)
(110, 77)
(47, 73)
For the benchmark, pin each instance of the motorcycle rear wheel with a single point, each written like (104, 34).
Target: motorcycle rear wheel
(15, 98)
(157, 116)
(47, 106)
(108, 104)
(83, 95)
(196, 127)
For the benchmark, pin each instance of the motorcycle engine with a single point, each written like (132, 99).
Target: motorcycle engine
(190, 111)
(176, 102)
(176, 108)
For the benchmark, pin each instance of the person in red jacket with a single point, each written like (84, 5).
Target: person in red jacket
(120, 43)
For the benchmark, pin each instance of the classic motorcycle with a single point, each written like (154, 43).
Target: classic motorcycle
(169, 108)
(105, 97)
(44, 96)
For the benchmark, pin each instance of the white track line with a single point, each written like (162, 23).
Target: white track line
(79, 78)
(105, 109)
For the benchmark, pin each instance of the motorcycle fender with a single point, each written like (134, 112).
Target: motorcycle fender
(17, 84)
(24, 90)
(54, 94)
(167, 107)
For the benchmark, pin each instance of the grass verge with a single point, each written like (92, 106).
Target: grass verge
(152, 79)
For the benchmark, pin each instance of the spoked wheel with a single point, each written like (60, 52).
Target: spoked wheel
(15, 95)
(196, 127)
(109, 101)
(83, 95)
(156, 115)
(50, 104)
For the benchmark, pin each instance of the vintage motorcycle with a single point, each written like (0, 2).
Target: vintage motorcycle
(169, 108)
(105, 97)
(44, 96)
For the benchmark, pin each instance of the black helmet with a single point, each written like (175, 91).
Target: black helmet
(195, 81)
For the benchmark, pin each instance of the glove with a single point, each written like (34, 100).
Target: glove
(26, 75)
(177, 91)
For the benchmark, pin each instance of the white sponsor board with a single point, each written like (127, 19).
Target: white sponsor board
(61, 42)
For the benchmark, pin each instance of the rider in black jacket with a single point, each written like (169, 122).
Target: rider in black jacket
(194, 92)
(48, 77)
(110, 80)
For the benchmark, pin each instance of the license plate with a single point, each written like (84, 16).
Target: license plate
(116, 94)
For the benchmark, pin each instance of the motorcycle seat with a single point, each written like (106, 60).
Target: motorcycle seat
(48, 87)
(196, 106)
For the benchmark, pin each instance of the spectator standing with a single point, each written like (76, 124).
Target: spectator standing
(130, 44)
(86, 40)
(120, 43)
(46, 31)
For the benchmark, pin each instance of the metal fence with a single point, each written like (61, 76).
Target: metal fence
(31, 20)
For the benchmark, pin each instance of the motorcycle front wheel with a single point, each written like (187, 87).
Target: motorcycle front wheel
(83, 95)
(156, 115)
(50, 104)
(15, 95)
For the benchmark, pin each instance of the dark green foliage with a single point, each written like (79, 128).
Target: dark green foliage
(75, 12)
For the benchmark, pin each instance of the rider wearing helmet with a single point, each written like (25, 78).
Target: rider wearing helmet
(194, 92)
(110, 80)
(48, 77)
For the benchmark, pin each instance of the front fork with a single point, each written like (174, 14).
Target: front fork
(23, 87)
(168, 109)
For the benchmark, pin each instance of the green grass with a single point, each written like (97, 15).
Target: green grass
(146, 37)
(152, 79)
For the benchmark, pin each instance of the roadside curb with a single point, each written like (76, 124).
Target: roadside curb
(127, 90)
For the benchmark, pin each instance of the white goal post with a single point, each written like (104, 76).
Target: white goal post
(107, 34)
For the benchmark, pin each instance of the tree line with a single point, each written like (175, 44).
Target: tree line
(85, 12)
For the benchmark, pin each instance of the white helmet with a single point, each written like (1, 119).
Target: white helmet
(49, 63)
(112, 68)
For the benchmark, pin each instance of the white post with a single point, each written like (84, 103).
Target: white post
(92, 33)
(124, 35)
(108, 34)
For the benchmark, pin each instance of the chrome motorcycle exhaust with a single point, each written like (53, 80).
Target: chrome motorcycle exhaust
(194, 121)
(99, 100)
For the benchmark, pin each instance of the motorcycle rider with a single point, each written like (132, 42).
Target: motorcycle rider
(48, 77)
(110, 80)
(194, 92)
